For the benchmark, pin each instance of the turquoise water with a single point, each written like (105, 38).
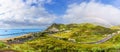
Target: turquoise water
(11, 31)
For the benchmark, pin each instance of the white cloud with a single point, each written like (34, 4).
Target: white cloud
(30, 13)
(92, 12)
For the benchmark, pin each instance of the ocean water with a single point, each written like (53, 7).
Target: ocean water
(4, 32)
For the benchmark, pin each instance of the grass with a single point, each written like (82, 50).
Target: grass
(79, 32)
(48, 43)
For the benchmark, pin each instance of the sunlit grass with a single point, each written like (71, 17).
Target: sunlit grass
(59, 41)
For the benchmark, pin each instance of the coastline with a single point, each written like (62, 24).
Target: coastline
(5, 39)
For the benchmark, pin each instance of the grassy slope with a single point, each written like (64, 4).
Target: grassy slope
(48, 43)
(84, 32)
(80, 32)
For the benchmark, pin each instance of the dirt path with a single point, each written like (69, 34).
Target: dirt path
(8, 51)
(99, 41)
(103, 40)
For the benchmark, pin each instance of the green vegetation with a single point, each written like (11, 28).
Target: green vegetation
(2, 45)
(68, 38)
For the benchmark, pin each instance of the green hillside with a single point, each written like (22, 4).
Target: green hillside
(71, 38)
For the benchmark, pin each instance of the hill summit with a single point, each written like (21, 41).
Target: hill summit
(70, 38)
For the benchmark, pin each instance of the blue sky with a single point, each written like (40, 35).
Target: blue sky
(42, 13)
(59, 7)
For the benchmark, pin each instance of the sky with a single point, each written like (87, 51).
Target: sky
(42, 13)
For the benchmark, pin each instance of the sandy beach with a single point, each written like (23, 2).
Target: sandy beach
(4, 39)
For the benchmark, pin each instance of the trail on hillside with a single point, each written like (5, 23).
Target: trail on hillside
(96, 42)
(103, 40)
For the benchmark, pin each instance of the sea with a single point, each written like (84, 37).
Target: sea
(10, 33)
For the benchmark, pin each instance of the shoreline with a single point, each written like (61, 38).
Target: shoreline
(4, 39)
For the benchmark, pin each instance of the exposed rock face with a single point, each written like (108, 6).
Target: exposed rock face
(67, 31)
(71, 40)
(53, 30)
